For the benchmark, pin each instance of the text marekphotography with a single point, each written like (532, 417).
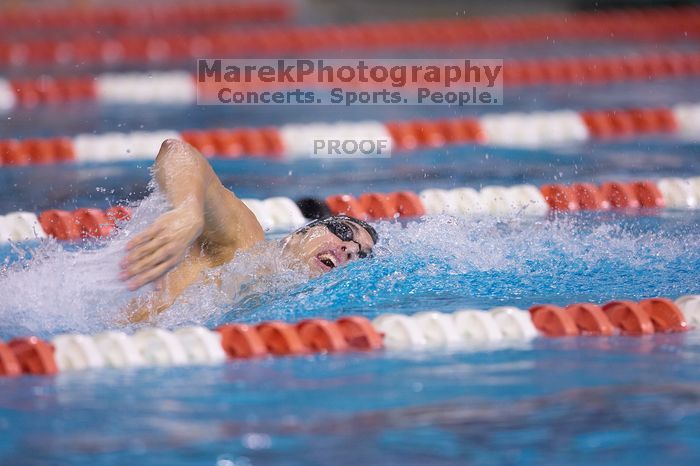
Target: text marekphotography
(455, 82)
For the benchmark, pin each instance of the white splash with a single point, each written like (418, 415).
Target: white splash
(57, 289)
(72, 289)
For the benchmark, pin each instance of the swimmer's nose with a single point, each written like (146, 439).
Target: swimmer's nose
(349, 251)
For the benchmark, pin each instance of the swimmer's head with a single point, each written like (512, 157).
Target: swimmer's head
(330, 242)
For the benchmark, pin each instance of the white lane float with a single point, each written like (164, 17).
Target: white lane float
(159, 347)
(284, 212)
(75, 352)
(476, 326)
(537, 129)
(688, 118)
(170, 87)
(529, 199)
(678, 193)
(113, 147)
(8, 100)
(439, 201)
(468, 201)
(20, 226)
(499, 200)
(514, 323)
(400, 331)
(118, 350)
(203, 346)
(438, 329)
(690, 306)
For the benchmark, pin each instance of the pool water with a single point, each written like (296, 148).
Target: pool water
(628, 400)
(617, 400)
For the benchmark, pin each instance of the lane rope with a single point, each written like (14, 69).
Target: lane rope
(298, 141)
(180, 87)
(465, 329)
(282, 214)
(623, 25)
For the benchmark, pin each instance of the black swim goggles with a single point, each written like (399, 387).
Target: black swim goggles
(341, 228)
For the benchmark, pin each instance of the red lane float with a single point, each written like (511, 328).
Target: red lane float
(359, 333)
(46, 90)
(636, 25)
(238, 143)
(611, 194)
(588, 197)
(647, 194)
(377, 205)
(322, 335)
(35, 356)
(629, 122)
(281, 338)
(410, 135)
(242, 341)
(553, 321)
(82, 223)
(590, 319)
(9, 365)
(560, 197)
(308, 336)
(619, 195)
(36, 151)
(406, 204)
(629, 317)
(345, 204)
(653, 315)
(664, 314)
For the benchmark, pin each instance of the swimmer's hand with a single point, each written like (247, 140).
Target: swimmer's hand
(161, 247)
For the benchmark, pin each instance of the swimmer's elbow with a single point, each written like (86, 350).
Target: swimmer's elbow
(180, 169)
(176, 151)
(172, 144)
(172, 147)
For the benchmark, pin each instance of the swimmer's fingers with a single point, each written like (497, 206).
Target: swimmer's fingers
(143, 250)
(162, 253)
(145, 236)
(152, 274)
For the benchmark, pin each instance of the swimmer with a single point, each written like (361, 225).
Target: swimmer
(208, 224)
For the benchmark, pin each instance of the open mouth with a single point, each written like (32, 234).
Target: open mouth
(328, 260)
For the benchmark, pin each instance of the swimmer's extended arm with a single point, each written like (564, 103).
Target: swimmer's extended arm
(204, 211)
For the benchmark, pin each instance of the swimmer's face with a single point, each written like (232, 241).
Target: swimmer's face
(324, 247)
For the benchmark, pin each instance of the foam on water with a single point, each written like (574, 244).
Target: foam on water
(445, 263)
(71, 288)
(54, 288)
(440, 262)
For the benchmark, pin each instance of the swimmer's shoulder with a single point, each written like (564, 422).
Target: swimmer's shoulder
(216, 254)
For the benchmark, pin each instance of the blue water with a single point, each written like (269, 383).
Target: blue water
(614, 400)
(622, 400)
